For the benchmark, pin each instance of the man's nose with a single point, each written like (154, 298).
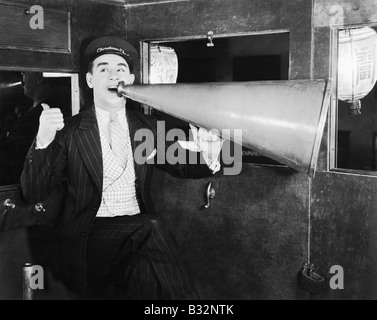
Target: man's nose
(113, 75)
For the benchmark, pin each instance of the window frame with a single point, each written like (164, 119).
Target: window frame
(333, 110)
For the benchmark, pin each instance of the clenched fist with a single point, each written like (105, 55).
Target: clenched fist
(50, 121)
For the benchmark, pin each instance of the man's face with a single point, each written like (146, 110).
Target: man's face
(108, 71)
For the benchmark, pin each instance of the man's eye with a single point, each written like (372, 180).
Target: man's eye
(121, 70)
(104, 70)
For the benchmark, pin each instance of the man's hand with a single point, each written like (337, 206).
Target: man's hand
(208, 142)
(50, 121)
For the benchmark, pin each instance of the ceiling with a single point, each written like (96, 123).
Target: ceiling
(114, 2)
(127, 3)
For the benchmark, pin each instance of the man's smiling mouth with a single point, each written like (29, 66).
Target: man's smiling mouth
(113, 89)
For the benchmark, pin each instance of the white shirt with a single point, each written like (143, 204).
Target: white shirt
(119, 191)
(103, 118)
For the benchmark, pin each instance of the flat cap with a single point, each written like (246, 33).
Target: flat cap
(111, 45)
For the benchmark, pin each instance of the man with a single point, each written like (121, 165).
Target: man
(109, 229)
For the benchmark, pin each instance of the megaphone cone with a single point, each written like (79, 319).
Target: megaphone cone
(283, 120)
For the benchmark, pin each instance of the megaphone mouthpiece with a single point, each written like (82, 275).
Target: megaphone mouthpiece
(120, 89)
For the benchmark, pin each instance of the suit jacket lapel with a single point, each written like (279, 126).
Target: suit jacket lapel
(89, 144)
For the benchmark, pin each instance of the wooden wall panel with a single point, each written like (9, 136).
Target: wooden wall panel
(52, 34)
(251, 242)
(88, 19)
(344, 232)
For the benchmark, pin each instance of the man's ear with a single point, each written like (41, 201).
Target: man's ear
(89, 77)
(132, 78)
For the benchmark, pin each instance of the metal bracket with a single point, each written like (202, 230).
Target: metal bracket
(210, 39)
(9, 204)
(39, 207)
(209, 194)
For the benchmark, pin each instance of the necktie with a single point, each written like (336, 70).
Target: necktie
(118, 140)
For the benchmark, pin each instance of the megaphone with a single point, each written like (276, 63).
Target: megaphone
(283, 120)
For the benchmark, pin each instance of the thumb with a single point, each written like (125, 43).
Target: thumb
(45, 106)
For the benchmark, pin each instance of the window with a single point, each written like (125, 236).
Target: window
(354, 108)
(21, 93)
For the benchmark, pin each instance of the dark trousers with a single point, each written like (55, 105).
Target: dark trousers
(134, 257)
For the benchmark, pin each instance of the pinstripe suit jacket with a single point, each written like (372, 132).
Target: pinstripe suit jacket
(76, 156)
